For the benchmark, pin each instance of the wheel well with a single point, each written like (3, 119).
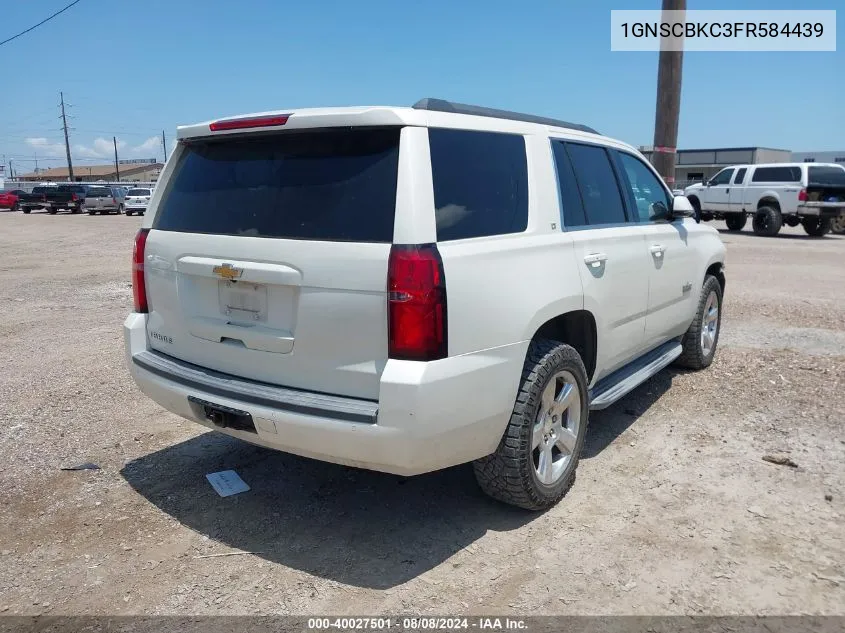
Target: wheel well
(718, 271)
(769, 202)
(578, 329)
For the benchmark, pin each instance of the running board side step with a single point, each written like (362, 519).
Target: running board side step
(613, 387)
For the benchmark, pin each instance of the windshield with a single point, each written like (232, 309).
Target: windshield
(826, 175)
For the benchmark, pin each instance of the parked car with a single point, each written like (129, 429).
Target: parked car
(810, 194)
(137, 200)
(9, 199)
(102, 200)
(35, 199)
(69, 196)
(458, 284)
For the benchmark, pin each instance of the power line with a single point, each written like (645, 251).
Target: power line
(39, 24)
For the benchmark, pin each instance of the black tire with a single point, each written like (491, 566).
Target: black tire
(26, 210)
(816, 226)
(92, 211)
(128, 212)
(767, 222)
(52, 211)
(510, 474)
(694, 355)
(736, 221)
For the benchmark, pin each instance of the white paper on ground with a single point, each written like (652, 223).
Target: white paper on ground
(227, 483)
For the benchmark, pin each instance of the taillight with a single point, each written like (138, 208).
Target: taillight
(73, 197)
(256, 121)
(416, 303)
(802, 195)
(139, 287)
(114, 200)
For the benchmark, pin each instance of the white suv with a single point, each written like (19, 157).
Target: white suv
(406, 289)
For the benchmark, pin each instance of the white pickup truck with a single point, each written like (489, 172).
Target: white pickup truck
(810, 194)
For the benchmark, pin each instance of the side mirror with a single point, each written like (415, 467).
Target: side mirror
(682, 208)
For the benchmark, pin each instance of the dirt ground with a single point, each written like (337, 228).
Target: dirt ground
(674, 510)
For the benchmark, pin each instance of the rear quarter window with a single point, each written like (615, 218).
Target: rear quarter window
(480, 183)
(826, 176)
(325, 185)
(777, 174)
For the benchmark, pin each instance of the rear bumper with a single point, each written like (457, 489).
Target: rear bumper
(822, 209)
(429, 415)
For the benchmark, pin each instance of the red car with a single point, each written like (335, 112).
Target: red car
(9, 199)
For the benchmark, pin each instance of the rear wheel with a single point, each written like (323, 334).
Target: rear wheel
(78, 209)
(700, 340)
(52, 211)
(837, 224)
(27, 210)
(128, 212)
(767, 221)
(735, 221)
(534, 465)
(816, 226)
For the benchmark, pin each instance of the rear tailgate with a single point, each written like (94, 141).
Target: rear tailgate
(826, 187)
(267, 257)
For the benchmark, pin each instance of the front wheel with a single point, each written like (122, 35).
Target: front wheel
(816, 226)
(700, 340)
(534, 464)
(735, 221)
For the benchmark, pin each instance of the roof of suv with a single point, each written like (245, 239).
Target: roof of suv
(424, 113)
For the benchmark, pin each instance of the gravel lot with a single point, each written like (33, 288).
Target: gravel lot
(674, 511)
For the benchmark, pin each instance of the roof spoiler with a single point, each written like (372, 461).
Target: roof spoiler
(441, 105)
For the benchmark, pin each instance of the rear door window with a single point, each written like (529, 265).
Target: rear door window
(325, 185)
(597, 184)
(480, 183)
(740, 176)
(570, 198)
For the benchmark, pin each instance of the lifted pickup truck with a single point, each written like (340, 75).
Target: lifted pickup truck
(71, 197)
(35, 199)
(810, 194)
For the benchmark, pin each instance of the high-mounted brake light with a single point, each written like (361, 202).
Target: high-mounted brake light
(416, 303)
(139, 286)
(802, 195)
(256, 121)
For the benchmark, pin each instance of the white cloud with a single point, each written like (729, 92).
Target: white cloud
(45, 147)
(99, 148)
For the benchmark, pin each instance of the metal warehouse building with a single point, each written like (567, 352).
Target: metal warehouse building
(146, 172)
(696, 165)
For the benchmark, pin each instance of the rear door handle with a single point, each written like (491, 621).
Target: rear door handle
(595, 259)
(657, 250)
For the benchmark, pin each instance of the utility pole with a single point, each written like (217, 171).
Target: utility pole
(116, 168)
(164, 145)
(67, 142)
(11, 173)
(668, 108)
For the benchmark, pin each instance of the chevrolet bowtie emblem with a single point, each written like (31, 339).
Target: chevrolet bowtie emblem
(227, 271)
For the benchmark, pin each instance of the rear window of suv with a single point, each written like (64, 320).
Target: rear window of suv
(98, 192)
(327, 185)
(480, 183)
(138, 192)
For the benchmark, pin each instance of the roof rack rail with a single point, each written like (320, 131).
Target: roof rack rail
(441, 105)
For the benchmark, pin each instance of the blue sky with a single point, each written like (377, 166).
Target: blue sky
(133, 69)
